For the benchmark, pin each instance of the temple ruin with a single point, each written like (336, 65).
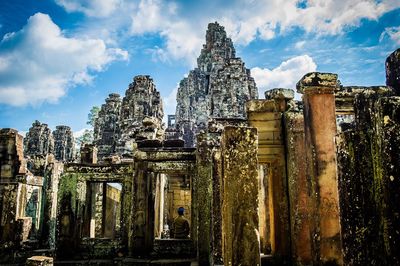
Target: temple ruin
(272, 181)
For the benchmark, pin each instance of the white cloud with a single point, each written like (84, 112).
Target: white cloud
(392, 32)
(38, 63)
(155, 16)
(286, 75)
(92, 8)
(182, 25)
(299, 45)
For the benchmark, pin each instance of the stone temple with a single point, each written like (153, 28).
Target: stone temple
(271, 181)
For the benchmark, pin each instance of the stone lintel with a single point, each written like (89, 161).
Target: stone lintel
(344, 98)
(316, 82)
(279, 93)
(178, 154)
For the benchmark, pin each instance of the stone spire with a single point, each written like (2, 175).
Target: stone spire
(141, 114)
(106, 125)
(218, 88)
(38, 140)
(64, 144)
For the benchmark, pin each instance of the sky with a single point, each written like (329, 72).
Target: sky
(59, 58)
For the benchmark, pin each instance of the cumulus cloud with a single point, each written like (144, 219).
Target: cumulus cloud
(181, 40)
(392, 32)
(286, 75)
(38, 63)
(182, 26)
(92, 8)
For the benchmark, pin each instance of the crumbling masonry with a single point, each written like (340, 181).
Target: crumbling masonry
(263, 181)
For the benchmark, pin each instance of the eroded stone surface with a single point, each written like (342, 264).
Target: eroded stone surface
(64, 144)
(393, 71)
(218, 88)
(106, 130)
(240, 200)
(141, 114)
(39, 140)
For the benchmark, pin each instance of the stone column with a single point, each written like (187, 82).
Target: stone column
(320, 131)
(240, 198)
(299, 189)
(204, 197)
(387, 174)
(12, 169)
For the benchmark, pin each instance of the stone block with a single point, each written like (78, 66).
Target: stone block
(39, 261)
(279, 93)
(317, 79)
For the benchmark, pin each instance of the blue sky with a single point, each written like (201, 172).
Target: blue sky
(58, 58)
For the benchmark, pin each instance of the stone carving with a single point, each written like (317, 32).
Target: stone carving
(218, 88)
(141, 114)
(106, 125)
(39, 140)
(64, 148)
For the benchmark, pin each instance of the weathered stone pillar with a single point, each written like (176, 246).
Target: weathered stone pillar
(12, 169)
(387, 174)
(320, 131)
(204, 198)
(142, 210)
(240, 199)
(299, 189)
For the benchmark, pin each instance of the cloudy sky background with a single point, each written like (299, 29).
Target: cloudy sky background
(58, 58)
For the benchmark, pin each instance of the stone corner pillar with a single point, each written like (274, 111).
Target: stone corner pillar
(240, 197)
(320, 131)
(392, 65)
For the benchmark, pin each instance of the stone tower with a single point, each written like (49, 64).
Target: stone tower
(218, 88)
(106, 125)
(141, 114)
(39, 140)
(64, 144)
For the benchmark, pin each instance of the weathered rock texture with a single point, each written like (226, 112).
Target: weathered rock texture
(106, 125)
(240, 202)
(39, 140)
(299, 189)
(367, 158)
(64, 144)
(218, 88)
(393, 71)
(12, 168)
(141, 114)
